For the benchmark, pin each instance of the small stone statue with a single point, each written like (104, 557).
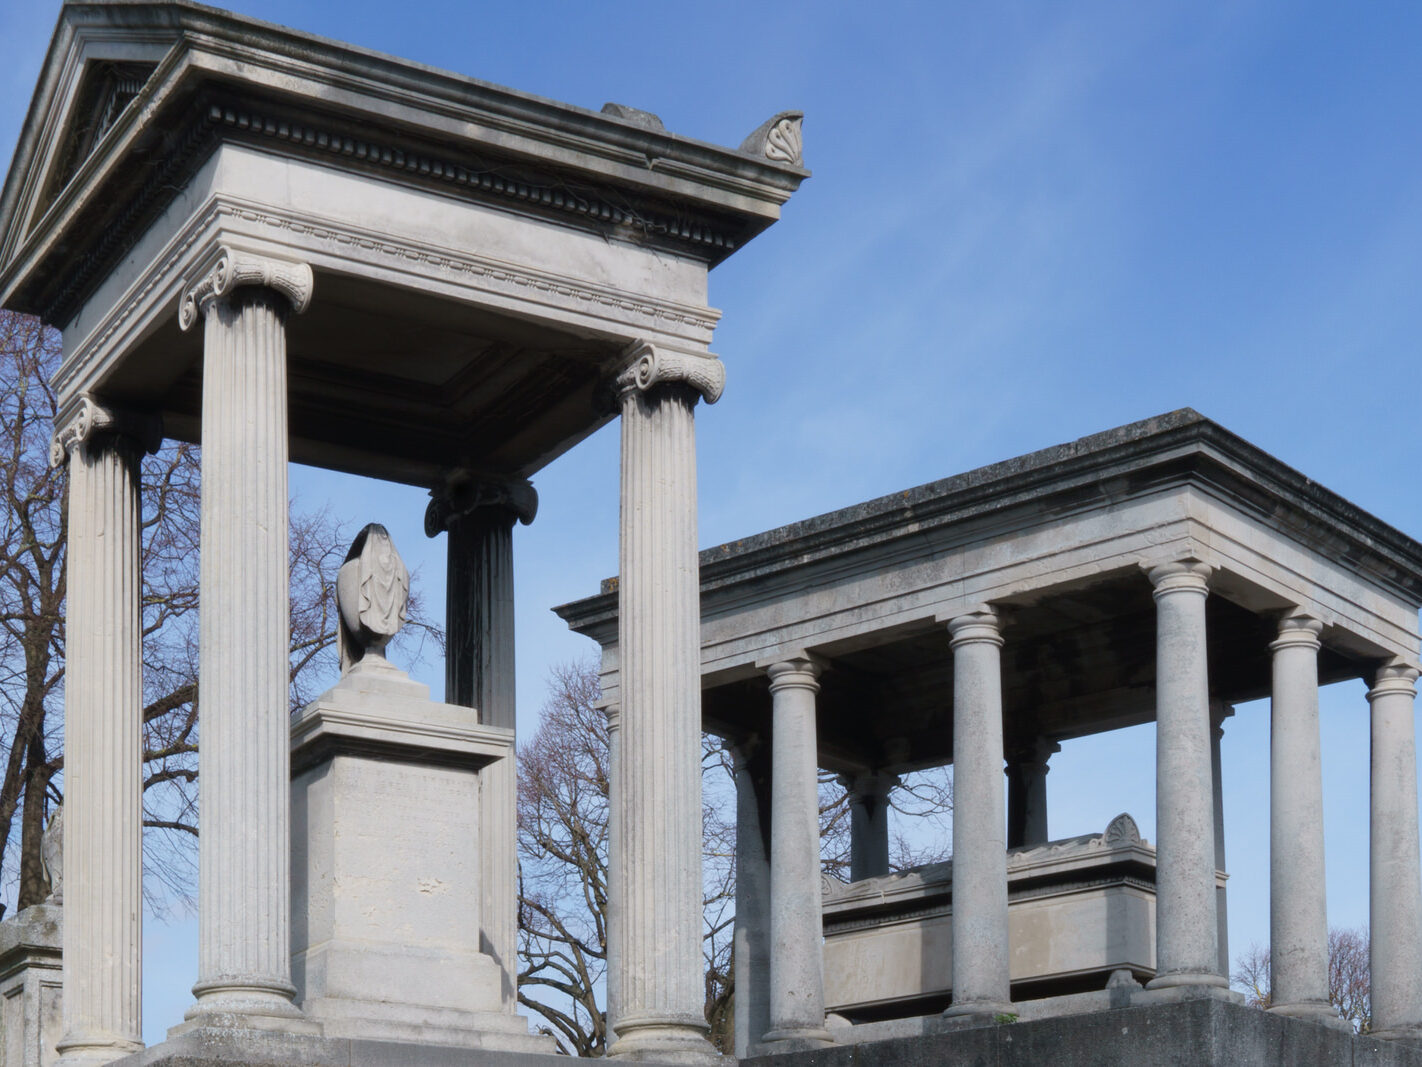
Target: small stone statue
(372, 591)
(52, 856)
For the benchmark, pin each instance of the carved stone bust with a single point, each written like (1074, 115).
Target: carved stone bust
(372, 591)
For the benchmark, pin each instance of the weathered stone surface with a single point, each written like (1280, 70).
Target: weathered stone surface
(31, 986)
(1201, 1032)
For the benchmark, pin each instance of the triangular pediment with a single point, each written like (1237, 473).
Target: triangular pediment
(96, 66)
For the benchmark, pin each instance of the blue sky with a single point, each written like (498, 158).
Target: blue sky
(1027, 222)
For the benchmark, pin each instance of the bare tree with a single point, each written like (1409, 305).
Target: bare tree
(32, 593)
(563, 782)
(1349, 985)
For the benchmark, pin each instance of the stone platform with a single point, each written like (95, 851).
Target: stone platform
(1204, 1032)
(220, 1047)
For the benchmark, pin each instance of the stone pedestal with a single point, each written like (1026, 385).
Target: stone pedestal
(980, 946)
(31, 987)
(385, 854)
(1187, 930)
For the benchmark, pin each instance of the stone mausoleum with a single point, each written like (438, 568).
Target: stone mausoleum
(288, 248)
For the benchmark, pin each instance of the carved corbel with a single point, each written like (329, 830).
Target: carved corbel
(91, 419)
(648, 366)
(464, 494)
(235, 269)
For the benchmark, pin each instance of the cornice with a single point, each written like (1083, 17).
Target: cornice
(1179, 448)
(230, 77)
(486, 274)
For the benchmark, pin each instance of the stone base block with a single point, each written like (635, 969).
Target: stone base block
(1203, 1031)
(370, 1021)
(229, 1047)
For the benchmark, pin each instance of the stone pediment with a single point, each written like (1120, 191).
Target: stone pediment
(92, 170)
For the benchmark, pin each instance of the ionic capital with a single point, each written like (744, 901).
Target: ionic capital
(1035, 755)
(875, 784)
(1181, 576)
(1396, 679)
(975, 627)
(800, 670)
(235, 269)
(648, 366)
(90, 419)
(463, 495)
(1297, 630)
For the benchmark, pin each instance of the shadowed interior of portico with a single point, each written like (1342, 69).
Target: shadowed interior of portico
(401, 384)
(1073, 664)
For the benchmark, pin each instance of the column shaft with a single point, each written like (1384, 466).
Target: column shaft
(1187, 952)
(1298, 914)
(753, 923)
(980, 947)
(869, 824)
(103, 758)
(1218, 714)
(613, 929)
(1396, 871)
(479, 673)
(797, 984)
(244, 939)
(659, 778)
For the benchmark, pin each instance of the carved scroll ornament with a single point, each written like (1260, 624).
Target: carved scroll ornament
(91, 418)
(235, 269)
(651, 366)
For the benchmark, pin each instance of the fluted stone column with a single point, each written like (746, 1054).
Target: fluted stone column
(612, 918)
(753, 923)
(1396, 894)
(658, 786)
(1219, 711)
(479, 516)
(1298, 914)
(868, 823)
(103, 745)
(244, 941)
(980, 948)
(1027, 793)
(1186, 928)
(797, 979)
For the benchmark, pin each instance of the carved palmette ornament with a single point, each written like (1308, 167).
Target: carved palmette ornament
(779, 139)
(372, 593)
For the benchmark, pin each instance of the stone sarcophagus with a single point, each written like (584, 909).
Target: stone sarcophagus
(1079, 909)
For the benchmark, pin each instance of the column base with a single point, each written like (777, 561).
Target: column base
(797, 1039)
(1188, 978)
(255, 1006)
(665, 1041)
(979, 1012)
(85, 1050)
(1318, 1011)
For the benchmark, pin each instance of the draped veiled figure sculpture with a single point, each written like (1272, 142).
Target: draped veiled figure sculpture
(372, 593)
